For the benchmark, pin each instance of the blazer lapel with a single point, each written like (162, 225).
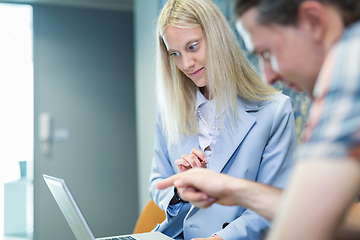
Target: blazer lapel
(228, 140)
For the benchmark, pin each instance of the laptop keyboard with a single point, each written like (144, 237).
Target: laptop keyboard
(121, 238)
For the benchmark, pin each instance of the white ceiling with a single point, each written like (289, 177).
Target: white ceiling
(126, 5)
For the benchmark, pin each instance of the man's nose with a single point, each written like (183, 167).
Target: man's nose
(270, 76)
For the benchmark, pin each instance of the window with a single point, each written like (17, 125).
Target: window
(16, 97)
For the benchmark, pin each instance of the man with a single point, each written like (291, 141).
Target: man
(313, 46)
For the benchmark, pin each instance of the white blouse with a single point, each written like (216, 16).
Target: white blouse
(207, 136)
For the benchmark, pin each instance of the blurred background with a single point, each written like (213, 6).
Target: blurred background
(77, 102)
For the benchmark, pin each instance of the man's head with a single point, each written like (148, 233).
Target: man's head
(286, 12)
(293, 36)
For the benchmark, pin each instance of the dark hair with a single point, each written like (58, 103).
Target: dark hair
(285, 12)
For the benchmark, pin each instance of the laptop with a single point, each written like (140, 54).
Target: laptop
(77, 221)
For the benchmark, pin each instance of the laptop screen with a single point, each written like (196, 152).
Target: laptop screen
(69, 208)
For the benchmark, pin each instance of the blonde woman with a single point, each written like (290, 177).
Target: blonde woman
(214, 112)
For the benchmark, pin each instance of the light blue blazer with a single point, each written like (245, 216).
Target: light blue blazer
(259, 149)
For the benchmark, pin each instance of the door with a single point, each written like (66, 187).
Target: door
(84, 82)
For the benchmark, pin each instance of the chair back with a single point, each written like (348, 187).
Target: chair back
(149, 217)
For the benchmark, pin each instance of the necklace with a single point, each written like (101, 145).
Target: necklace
(206, 123)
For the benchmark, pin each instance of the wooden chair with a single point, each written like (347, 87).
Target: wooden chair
(149, 217)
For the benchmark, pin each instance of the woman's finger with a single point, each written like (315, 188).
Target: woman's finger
(182, 165)
(192, 160)
(199, 154)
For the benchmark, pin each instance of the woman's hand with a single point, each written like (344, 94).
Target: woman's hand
(195, 159)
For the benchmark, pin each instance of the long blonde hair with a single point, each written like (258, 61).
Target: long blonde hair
(228, 72)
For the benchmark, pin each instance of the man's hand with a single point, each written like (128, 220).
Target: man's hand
(202, 187)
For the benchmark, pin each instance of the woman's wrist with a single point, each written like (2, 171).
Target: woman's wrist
(176, 198)
(176, 195)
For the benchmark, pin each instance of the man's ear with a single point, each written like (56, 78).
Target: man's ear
(312, 16)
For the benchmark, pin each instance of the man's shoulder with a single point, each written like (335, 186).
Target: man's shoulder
(350, 39)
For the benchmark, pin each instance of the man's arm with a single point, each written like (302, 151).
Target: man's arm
(202, 187)
(316, 200)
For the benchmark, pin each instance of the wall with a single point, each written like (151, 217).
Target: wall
(146, 12)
